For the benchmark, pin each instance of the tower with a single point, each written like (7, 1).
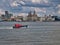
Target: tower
(6, 13)
(34, 13)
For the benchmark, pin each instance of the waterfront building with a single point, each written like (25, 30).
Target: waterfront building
(19, 18)
(50, 18)
(42, 19)
(2, 16)
(7, 15)
(32, 17)
(25, 18)
(47, 18)
(39, 18)
(29, 17)
(13, 18)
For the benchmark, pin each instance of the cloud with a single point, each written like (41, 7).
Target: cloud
(1, 11)
(40, 1)
(14, 4)
(38, 10)
(24, 6)
(55, 1)
(22, 2)
(58, 6)
(23, 14)
(34, 3)
(46, 1)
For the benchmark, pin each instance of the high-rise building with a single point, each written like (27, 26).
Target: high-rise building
(6, 12)
(29, 17)
(7, 15)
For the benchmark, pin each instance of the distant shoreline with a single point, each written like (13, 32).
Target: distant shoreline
(29, 21)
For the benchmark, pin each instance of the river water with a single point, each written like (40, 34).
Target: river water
(37, 33)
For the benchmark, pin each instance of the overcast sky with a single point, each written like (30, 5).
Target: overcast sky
(22, 7)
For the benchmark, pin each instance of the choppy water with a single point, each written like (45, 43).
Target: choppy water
(38, 33)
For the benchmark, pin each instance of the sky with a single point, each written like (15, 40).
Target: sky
(23, 7)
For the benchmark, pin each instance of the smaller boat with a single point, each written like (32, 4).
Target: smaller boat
(19, 26)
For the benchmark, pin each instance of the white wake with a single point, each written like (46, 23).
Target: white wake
(6, 27)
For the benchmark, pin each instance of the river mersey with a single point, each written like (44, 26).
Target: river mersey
(37, 33)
